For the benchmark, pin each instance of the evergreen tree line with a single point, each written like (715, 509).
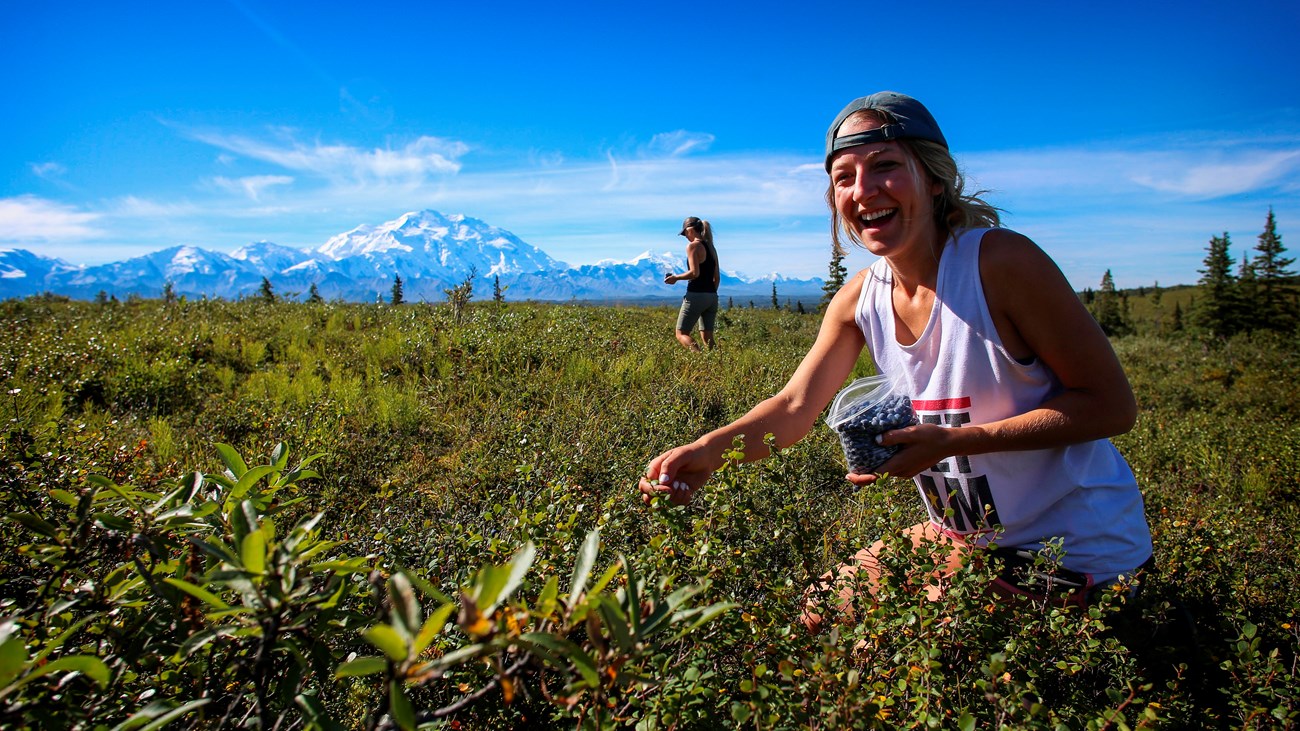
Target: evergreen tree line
(1259, 293)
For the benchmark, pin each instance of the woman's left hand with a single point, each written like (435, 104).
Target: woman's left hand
(923, 446)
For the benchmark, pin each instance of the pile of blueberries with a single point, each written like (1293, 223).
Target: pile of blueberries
(858, 433)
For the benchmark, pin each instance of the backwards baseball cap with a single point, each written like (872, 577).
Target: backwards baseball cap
(912, 120)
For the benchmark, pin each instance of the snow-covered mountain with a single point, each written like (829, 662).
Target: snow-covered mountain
(430, 251)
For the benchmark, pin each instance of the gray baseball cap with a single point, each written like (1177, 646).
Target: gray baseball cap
(913, 121)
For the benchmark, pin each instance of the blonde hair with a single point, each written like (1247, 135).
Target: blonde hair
(953, 207)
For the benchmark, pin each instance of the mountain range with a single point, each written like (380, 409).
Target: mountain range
(430, 251)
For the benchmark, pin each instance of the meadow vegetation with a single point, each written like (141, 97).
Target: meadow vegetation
(262, 514)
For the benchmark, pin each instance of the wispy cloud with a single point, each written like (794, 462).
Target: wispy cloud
(28, 219)
(1252, 171)
(252, 185)
(423, 158)
(680, 142)
(1178, 171)
(49, 170)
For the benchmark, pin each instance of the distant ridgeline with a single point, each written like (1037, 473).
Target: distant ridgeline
(431, 253)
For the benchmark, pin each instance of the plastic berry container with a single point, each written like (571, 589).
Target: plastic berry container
(863, 409)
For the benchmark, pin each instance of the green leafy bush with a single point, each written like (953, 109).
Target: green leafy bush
(464, 546)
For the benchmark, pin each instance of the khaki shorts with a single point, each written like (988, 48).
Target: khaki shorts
(699, 307)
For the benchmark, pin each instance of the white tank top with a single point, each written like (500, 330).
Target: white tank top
(958, 372)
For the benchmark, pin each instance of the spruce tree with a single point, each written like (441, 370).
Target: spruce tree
(1275, 305)
(776, 304)
(1247, 299)
(265, 291)
(834, 280)
(1217, 312)
(1106, 308)
(397, 290)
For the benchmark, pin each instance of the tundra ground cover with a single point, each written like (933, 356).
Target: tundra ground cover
(452, 536)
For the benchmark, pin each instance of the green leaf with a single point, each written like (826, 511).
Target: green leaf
(248, 480)
(232, 460)
(354, 565)
(400, 706)
(54, 644)
(88, 665)
(966, 722)
(196, 641)
(432, 626)
(546, 600)
(633, 597)
(65, 497)
(112, 522)
(35, 524)
(105, 483)
(460, 655)
(424, 586)
(701, 616)
(617, 622)
(564, 648)
(518, 567)
(582, 567)
(280, 457)
(389, 641)
(488, 585)
(361, 666)
(607, 577)
(157, 715)
(219, 551)
(407, 614)
(665, 609)
(13, 656)
(197, 592)
(252, 552)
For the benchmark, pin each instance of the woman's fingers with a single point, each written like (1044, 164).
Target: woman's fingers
(861, 480)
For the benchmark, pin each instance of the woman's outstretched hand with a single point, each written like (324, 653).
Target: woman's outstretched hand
(677, 474)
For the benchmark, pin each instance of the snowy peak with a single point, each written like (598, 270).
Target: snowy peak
(268, 256)
(426, 240)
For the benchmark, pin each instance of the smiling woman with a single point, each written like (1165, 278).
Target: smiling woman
(1015, 388)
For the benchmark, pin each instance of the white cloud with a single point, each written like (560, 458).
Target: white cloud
(680, 142)
(1189, 172)
(132, 206)
(48, 170)
(28, 219)
(252, 185)
(424, 158)
(1240, 174)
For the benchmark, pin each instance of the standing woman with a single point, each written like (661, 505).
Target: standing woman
(1017, 388)
(701, 301)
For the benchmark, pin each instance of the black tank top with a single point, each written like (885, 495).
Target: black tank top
(708, 269)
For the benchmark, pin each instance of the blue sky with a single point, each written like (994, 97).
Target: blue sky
(1119, 136)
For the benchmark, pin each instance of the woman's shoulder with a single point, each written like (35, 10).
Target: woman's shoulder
(1005, 251)
(1007, 260)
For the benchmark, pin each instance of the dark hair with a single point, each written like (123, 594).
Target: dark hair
(953, 207)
